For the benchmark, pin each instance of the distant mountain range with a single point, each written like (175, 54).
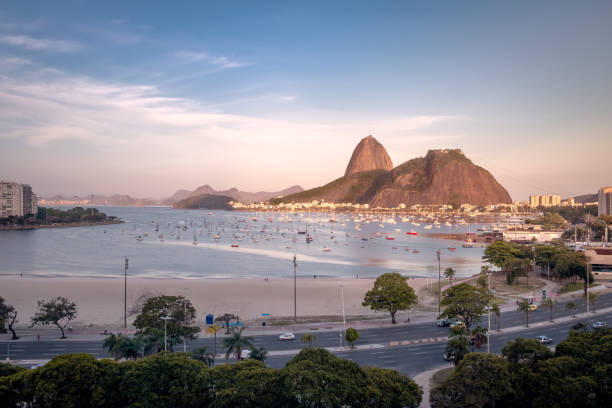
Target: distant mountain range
(205, 201)
(126, 200)
(441, 177)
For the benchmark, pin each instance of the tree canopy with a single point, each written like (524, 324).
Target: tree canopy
(465, 302)
(58, 311)
(391, 293)
(179, 326)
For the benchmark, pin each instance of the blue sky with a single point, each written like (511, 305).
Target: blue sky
(148, 97)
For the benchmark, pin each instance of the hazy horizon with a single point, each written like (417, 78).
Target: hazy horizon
(125, 98)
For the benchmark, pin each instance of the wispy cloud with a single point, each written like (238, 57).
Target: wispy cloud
(114, 36)
(43, 44)
(192, 56)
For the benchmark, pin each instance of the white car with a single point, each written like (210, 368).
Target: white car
(286, 336)
(544, 339)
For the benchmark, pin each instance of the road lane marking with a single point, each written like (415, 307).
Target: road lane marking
(394, 343)
(405, 342)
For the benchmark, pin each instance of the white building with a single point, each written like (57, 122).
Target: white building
(544, 200)
(604, 201)
(17, 200)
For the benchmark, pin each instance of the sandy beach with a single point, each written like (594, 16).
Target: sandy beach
(100, 300)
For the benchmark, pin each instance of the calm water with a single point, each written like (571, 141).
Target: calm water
(266, 246)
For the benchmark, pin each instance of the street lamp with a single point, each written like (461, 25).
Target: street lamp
(489, 311)
(438, 253)
(185, 322)
(165, 319)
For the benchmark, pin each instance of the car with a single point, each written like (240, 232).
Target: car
(444, 322)
(600, 325)
(286, 336)
(544, 339)
(449, 356)
(457, 324)
(532, 307)
(245, 354)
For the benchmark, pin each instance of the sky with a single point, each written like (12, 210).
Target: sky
(145, 97)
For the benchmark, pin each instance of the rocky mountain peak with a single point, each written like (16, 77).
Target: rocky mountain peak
(368, 155)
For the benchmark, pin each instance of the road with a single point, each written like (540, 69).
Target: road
(410, 349)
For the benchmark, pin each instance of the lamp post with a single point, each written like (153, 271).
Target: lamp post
(125, 295)
(165, 319)
(342, 300)
(489, 312)
(185, 322)
(438, 253)
(294, 291)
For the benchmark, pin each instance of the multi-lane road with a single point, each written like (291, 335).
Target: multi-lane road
(410, 348)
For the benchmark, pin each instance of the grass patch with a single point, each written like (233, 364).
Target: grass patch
(574, 286)
(286, 321)
(440, 376)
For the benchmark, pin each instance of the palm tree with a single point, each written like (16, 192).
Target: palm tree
(479, 337)
(571, 306)
(524, 307)
(213, 329)
(309, 338)
(113, 344)
(550, 304)
(449, 273)
(236, 342)
(457, 347)
(592, 298)
(497, 311)
(258, 353)
(202, 354)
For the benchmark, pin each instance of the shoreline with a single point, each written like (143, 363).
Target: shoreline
(64, 225)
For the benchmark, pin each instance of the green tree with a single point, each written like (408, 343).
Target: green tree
(351, 336)
(497, 312)
(112, 344)
(202, 354)
(258, 353)
(465, 302)
(236, 342)
(68, 380)
(499, 253)
(180, 326)
(524, 307)
(525, 351)
(478, 381)
(478, 337)
(550, 304)
(389, 389)
(58, 311)
(165, 380)
(309, 338)
(8, 318)
(227, 319)
(213, 329)
(571, 307)
(390, 293)
(248, 383)
(457, 347)
(316, 378)
(449, 273)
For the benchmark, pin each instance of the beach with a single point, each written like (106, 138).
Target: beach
(100, 300)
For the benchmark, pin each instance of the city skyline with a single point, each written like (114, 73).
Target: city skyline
(145, 101)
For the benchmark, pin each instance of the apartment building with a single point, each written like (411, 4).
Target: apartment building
(17, 199)
(544, 200)
(604, 201)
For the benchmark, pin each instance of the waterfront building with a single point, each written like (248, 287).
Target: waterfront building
(604, 201)
(544, 200)
(17, 200)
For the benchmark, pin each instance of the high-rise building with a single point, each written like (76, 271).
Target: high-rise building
(17, 200)
(544, 200)
(604, 201)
